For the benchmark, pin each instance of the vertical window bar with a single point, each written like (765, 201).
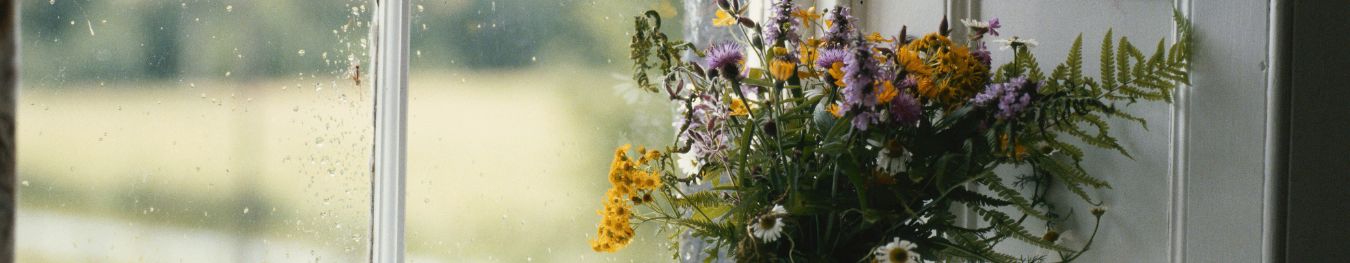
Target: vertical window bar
(390, 35)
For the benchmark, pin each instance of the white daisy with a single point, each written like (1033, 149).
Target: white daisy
(769, 227)
(898, 251)
(972, 23)
(892, 163)
(689, 163)
(1015, 42)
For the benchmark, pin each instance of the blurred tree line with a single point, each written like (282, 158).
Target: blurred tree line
(67, 40)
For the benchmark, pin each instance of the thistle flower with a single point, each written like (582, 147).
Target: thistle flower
(897, 251)
(904, 109)
(769, 227)
(781, 25)
(724, 57)
(828, 57)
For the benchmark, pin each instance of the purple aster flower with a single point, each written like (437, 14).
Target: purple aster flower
(722, 55)
(781, 25)
(1011, 97)
(828, 57)
(841, 26)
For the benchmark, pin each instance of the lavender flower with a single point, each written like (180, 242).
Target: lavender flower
(724, 57)
(860, 71)
(1012, 97)
(781, 25)
(841, 26)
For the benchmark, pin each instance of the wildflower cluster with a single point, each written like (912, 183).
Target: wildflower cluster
(841, 145)
(631, 184)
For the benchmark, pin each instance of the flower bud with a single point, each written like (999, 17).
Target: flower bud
(1050, 236)
(1098, 211)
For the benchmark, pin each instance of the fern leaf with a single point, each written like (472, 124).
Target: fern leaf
(1108, 61)
(1075, 61)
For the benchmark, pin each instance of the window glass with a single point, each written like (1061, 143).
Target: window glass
(193, 131)
(515, 108)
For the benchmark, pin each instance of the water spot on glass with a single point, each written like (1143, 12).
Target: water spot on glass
(420, 8)
(203, 95)
(301, 52)
(532, 59)
(245, 210)
(229, 8)
(227, 73)
(419, 53)
(25, 182)
(51, 2)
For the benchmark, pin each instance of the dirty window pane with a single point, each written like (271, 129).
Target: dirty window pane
(515, 108)
(193, 131)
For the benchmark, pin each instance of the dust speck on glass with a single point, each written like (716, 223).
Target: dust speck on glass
(186, 131)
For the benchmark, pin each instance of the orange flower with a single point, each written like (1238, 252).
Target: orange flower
(738, 108)
(834, 110)
(807, 15)
(782, 69)
(722, 18)
(837, 71)
(877, 38)
(888, 92)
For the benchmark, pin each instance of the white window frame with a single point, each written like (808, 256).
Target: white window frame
(390, 35)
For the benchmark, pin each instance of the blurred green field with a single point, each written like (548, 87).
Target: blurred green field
(504, 166)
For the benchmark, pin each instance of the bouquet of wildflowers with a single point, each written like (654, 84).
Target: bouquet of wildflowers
(811, 140)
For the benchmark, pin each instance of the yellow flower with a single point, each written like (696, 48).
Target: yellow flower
(837, 71)
(911, 62)
(807, 51)
(877, 38)
(1019, 151)
(782, 69)
(738, 108)
(626, 179)
(723, 18)
(888, 92)
(946, 73)
(807, 15)
(834, 110)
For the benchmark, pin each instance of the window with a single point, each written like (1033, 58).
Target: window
(241, 131)
(194, 131)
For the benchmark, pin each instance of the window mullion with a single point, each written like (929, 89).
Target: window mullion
(390, 35)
